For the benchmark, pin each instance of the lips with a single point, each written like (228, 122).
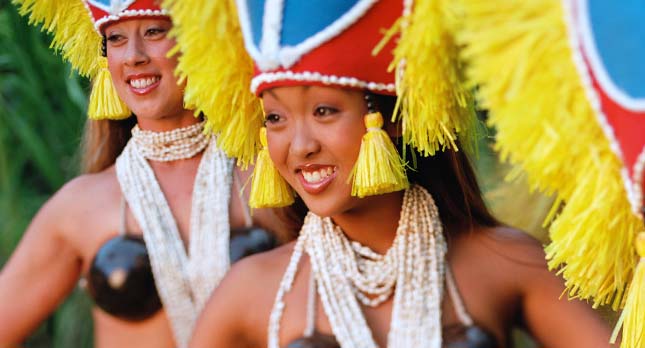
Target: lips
(315, 178)
(143, 84)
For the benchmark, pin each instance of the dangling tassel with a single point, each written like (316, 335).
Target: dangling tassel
(209, 38)
(104, 102)
(632, 320)
(379, 168)
(268, 189)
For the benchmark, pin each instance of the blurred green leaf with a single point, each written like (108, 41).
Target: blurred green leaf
(42, 108)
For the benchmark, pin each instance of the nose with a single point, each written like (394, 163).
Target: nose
(136, 54)
(304, 143)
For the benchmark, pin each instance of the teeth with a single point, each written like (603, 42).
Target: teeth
(318, 175)
(143, 82)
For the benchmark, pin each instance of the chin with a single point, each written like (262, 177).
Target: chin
(147, 113)
(329, 206)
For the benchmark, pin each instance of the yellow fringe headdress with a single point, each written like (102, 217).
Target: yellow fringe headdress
(532, 63)
(75, 26)
(220, 42)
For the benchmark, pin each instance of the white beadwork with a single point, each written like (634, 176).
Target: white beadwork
(179, 143)
(639, 176)
(347, 272)
(128, 14)
(184, 281)
(270, 77)
(594, 99)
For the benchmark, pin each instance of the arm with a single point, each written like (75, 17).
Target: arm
(42, 270)
(555, 321)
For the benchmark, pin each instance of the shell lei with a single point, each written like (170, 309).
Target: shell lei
(412, 271)
(184, 281)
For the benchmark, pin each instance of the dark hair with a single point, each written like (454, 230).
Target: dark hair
(103, 141)
(447, 175)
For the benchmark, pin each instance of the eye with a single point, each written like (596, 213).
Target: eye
(324, 111)
(115, 39)
(272, 118)
(155, 32)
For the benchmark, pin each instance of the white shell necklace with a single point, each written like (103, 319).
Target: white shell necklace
(179, 143)
(347, 272)
(184, 281)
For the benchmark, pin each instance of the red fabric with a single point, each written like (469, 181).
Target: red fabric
(98, 13)
(627, 126)
(349, 54)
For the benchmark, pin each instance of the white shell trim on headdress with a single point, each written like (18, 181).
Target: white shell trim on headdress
(639, 174)
(593, 57)
(594, 100)
(130, 13)
(334, 80)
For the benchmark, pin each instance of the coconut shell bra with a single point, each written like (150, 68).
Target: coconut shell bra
(120, 278)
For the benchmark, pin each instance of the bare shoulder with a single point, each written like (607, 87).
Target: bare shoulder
(84, 201)
(511, 265)
(78, 192)
(86, 187)
(503, 245)
(505, 258)
(239, 308)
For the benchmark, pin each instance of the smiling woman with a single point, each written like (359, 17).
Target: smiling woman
(142, 74)
(397, 248)
(302, 120)
(148, 226)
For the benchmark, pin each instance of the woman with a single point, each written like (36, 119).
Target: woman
(382, 259)
(170, 187)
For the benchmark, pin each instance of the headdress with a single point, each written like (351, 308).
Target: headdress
(569, 108)
(386, 47)
(77, 26)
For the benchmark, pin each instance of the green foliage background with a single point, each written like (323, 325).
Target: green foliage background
(42, 107)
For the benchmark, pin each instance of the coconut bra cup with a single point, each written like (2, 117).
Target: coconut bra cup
(121, 282)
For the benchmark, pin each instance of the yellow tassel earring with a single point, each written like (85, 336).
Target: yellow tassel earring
(104, 101)
(379, 168)
(268, 189)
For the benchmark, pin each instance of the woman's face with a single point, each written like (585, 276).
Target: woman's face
(141, 71)
(314, 135)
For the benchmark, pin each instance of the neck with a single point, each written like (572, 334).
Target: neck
(374, 222)
(184, 118)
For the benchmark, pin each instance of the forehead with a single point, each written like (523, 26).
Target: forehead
(298, 93)
(135, 22)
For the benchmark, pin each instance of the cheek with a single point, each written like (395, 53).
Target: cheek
(346, 141)
(278, 150)
(159, 50)
(114, 62)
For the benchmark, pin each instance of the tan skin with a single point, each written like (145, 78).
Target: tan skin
(500, 272)
(63, 238)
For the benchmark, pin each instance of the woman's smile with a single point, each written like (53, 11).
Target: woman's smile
(315, 178)
(142, 84)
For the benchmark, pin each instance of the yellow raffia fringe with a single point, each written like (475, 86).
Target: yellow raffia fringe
(379, 169)
(105, 103)
(217, 71)
(520, 58)
(73, 32)
(433, 102)
(268, 188)
(632, 320)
